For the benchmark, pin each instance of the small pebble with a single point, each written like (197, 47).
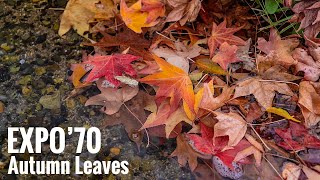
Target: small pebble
(40, 71)
(82, 99)
(115, 151)
(26, 90)
(22, 61)
(70, 103)
(51, 101)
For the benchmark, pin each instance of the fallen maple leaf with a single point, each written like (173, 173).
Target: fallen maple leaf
(280, 48)
(231, 125)
(226, 55)
(309, 102)
(136, 43)
(221, 34)
(130, 116)
(174, 83)
(185, 153)
(109, 67)
(243, 55)
(307, 64)
(296, 138)
(247, 152)
(79, 13)
(204, 143)
(290, 171)
(308, 13)
(310, 173)
(183, 10)
(180, 57)
(112, 99)
(143, 13)
(208, 102)
(263, 91)
(162, 117)
(276, 72)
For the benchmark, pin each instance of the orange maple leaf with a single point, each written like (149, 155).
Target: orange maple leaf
(227, 54)
(141, 14)
(220, 34)
(78, 72)
(174, 83)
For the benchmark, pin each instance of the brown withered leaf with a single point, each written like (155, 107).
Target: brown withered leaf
(281, 48)
(247, 152)
(183, 10)
(231, 125)
(162, 117)
(309, 102)
(263, 91)
(125, 39)
(185, 153)
(208, 102)
(112, 98)
(290, 171)
(310, 173)
(277, 73)
(307, 64)
(308, 13)
(180, 56)
(128, 118)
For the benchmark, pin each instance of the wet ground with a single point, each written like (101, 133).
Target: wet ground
(34, 66)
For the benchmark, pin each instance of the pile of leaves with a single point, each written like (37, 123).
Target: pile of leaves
(191, 72)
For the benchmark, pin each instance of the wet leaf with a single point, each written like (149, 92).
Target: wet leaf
(173, 83)
(79, 13)
(112, 99)
(109, 67)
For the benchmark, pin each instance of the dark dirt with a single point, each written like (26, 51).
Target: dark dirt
(34, 65)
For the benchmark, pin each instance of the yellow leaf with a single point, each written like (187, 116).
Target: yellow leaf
(210, 67)
(79, 13)
(282, 113)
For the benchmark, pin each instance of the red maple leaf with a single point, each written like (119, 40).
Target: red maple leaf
(220, 34)
(227, 54)
(110, 66)
(204, 144)
(296, 137)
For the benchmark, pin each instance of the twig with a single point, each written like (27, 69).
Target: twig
(269, 122)
(259, 137)
(148, 138)
(287, 82)
(282, 157)
(56, 9)
(273, 167)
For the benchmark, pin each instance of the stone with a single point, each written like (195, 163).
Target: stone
(40, 71)
(70, 103)
(51, 101)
